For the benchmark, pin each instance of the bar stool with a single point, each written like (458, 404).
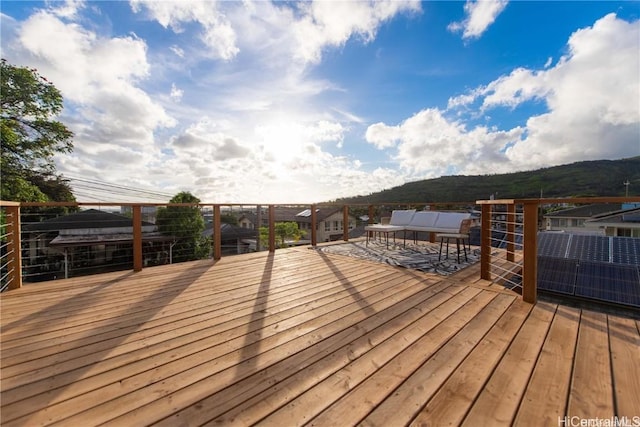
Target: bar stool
(460, 236)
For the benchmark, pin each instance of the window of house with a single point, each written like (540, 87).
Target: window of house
(327, 226)
(625, 232)
(337, 225)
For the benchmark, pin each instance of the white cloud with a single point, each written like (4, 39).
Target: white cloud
(66, 9)
(217, 32)
(480, 14)
(430, 145)
(383, 136)
(592, 95)
(113, 119)
(255, 123)
(176, 94)
(333, 23)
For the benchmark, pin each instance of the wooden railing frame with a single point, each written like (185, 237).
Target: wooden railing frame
(530, 230)
(314, 226)
(530, 209)
(14, 247)
(272, 228)
(217, 235)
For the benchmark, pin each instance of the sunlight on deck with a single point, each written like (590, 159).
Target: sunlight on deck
(304, 337)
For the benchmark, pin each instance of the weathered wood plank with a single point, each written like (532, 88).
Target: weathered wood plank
(497, 403)
(218, 328)
(210, 306)
(404, 399)
(624, 341)
(451, 403)
(297, 336)
(591, 389)
(426, 336)
(205, 357)
(546, 396)
(255, 396)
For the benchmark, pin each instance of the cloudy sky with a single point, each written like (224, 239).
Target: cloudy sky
(292, 102)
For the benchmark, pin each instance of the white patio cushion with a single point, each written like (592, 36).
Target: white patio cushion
(401, 217)
(423, 219)
(450, 220)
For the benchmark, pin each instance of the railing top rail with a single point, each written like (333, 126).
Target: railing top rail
(569, 200)
(325, 204)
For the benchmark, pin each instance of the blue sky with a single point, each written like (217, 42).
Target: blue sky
(298, 102)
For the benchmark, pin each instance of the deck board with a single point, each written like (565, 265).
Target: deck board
(591, 386)
(303, 337)
(501, 394)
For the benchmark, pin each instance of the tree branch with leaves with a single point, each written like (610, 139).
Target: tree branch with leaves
(31, 135)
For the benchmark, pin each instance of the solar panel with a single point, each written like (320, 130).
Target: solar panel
(553, 244)
(557, 274)
(597, 267)
(626, 250)
(589, 248)
(609, 282)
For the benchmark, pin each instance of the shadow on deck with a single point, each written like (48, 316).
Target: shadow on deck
(304, 337)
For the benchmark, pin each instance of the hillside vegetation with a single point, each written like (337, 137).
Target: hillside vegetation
(601, 178)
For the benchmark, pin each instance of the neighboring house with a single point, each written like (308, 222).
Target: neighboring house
(329, 222)
(148, 213)
(248, 220)
(234, 239)
(573, 219)
(87, 242)
(329, 225)
(623, 223)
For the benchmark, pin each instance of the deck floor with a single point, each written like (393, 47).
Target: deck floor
(302, 337)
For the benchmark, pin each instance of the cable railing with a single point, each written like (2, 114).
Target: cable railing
(49, 241)
(510, 255)
(10, 259)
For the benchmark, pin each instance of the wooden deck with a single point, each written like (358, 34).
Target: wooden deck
(302, 337)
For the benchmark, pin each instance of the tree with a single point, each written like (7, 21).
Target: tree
(186, 224)
(283, 231)
(30, 136)
(228, 218)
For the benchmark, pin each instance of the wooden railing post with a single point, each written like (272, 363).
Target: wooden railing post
(258, 227)
(137, 237)
(511, 229)
(272, 228)
(530, 252)
(485, 242)
(217, 233)
(345, 223)
(314, 226)
(14, 248)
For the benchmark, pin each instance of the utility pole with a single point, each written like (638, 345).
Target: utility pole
(626, 191)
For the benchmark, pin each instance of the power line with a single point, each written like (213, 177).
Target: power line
(101, 191)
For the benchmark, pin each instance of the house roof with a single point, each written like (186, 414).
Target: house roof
(91, 218)
(229, 231)
(628, 218)
(102, 239)
(297, 214)
(587, 211)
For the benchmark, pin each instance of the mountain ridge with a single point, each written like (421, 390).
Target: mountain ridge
(601, 178)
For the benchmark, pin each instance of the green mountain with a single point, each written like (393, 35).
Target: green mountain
(602, 178)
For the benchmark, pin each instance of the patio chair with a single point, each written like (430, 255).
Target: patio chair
(460, 236)
(398, 222)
